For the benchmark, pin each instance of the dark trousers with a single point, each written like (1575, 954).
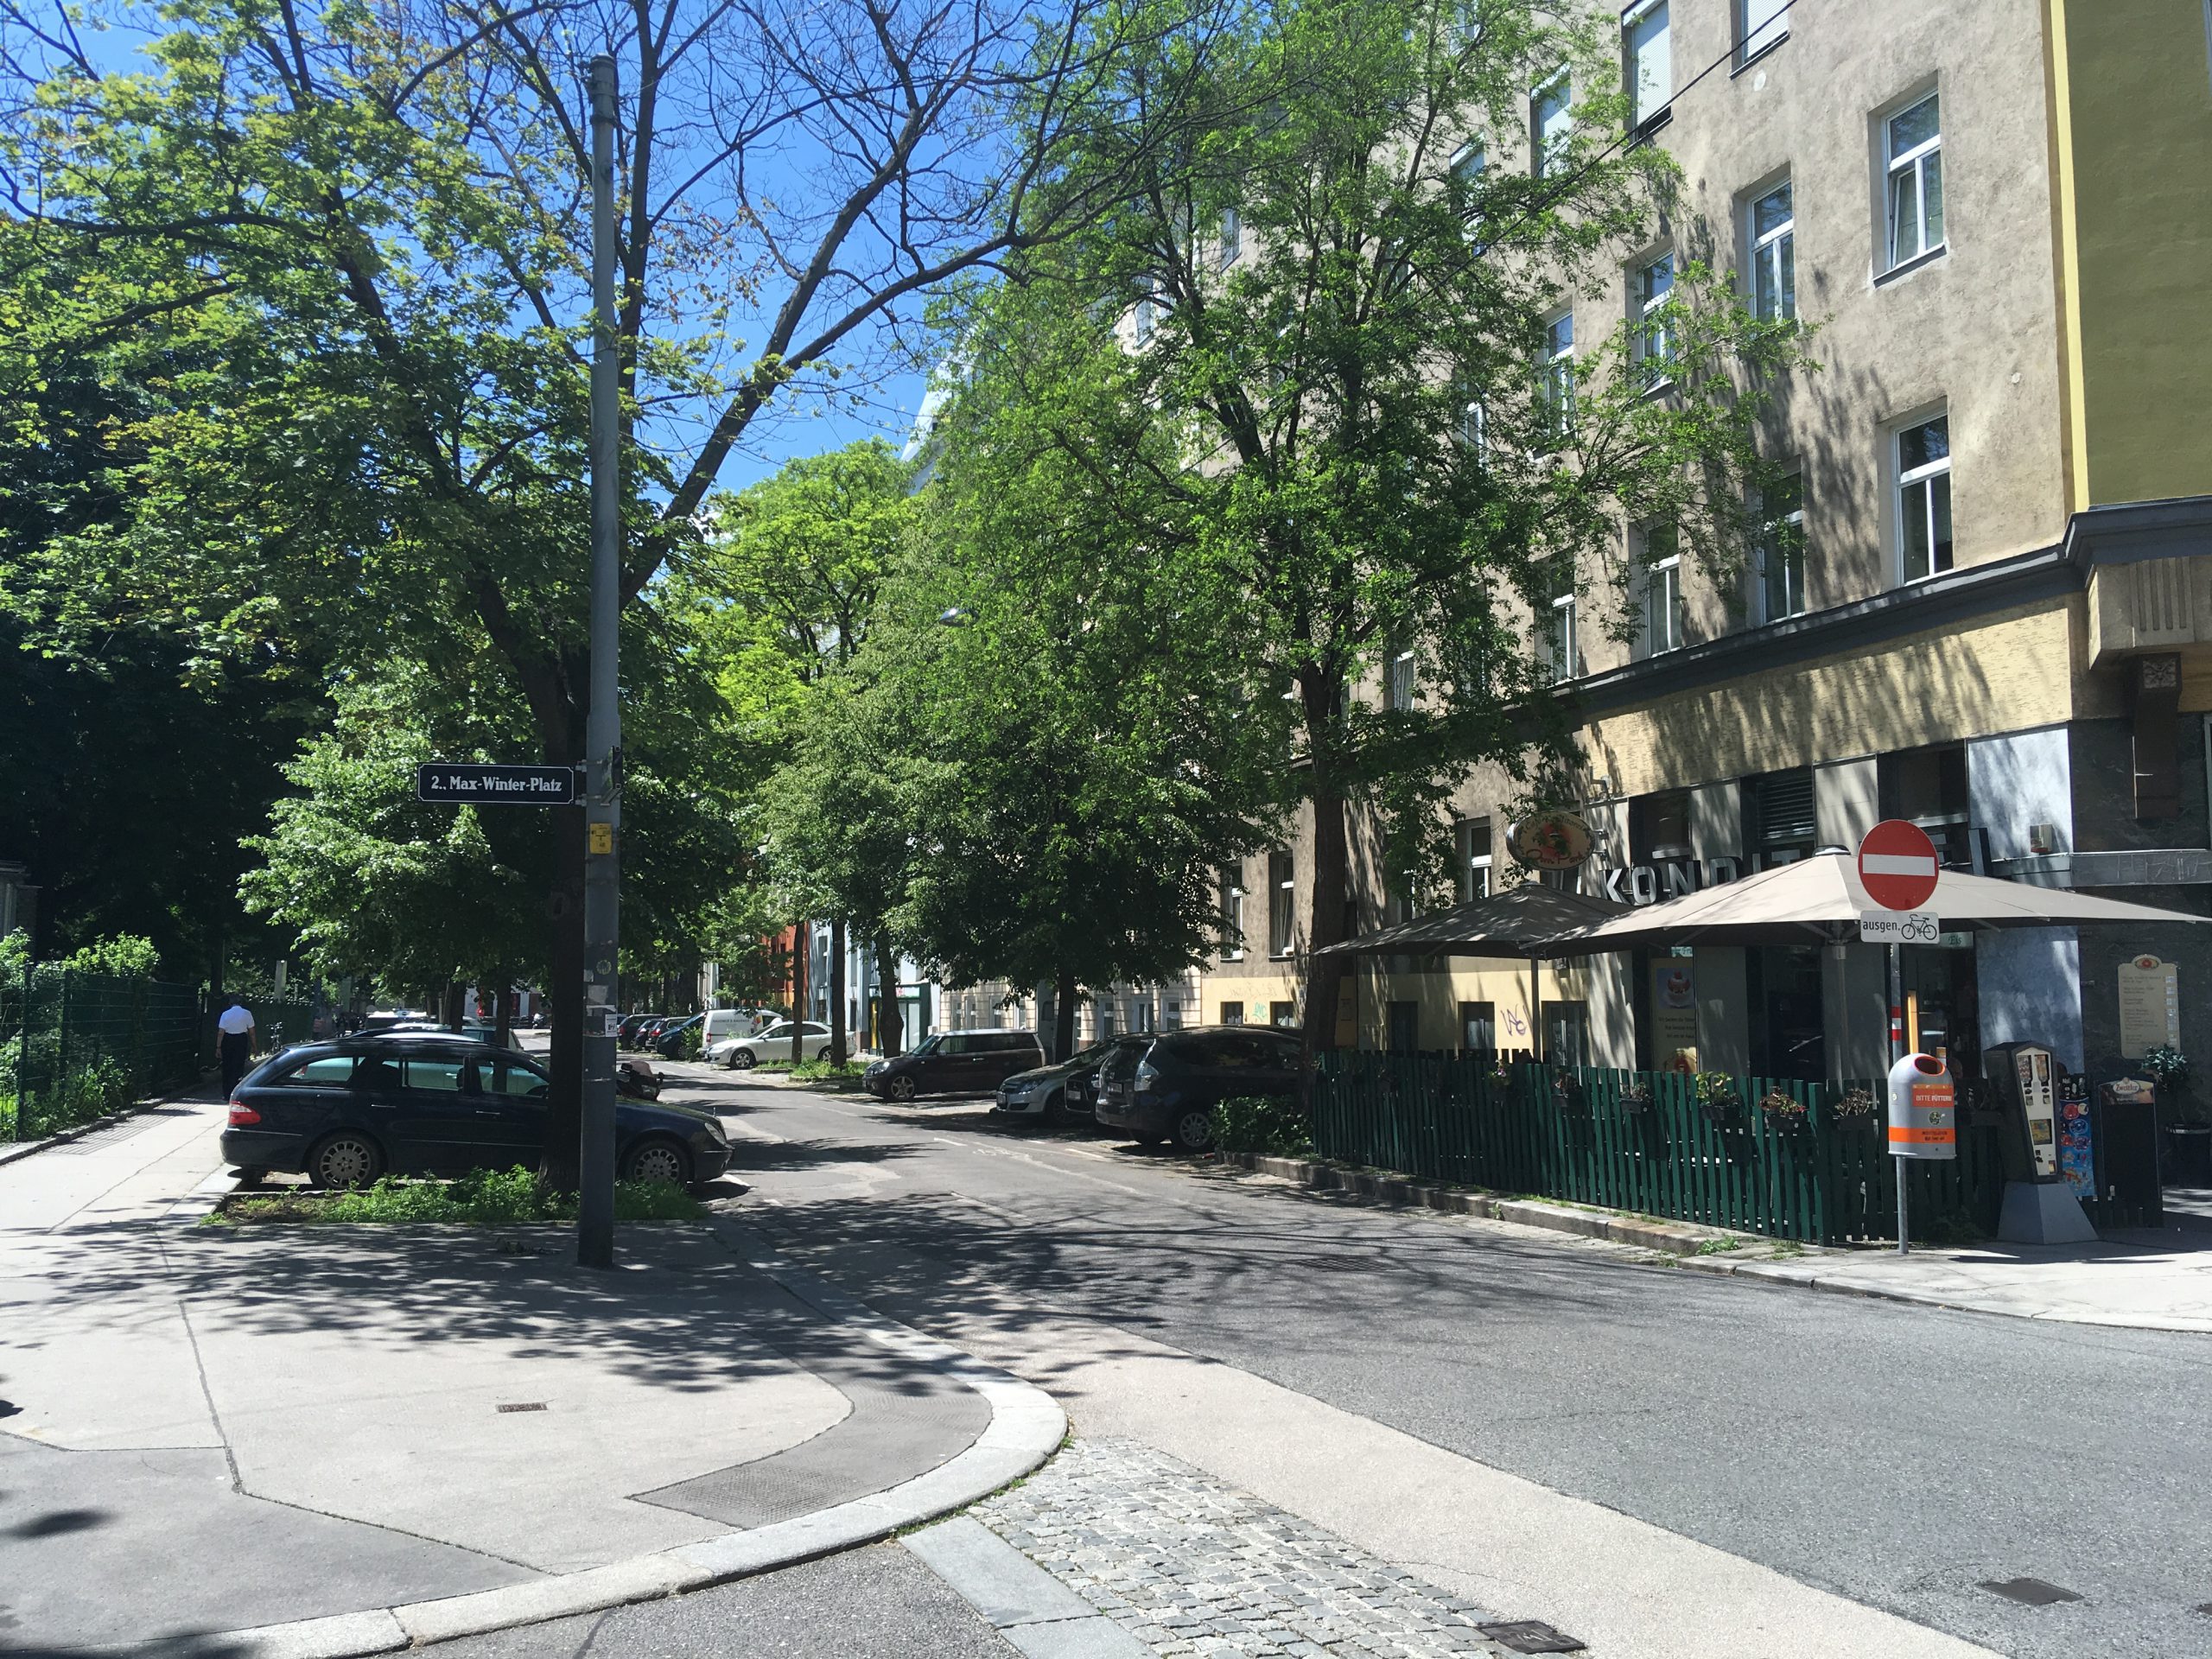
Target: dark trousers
(236, 1047)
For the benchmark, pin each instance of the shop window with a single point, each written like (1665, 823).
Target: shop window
(1781, 823)
(1479, 1027)
(1566, 1033)
(1659, 827)
(1403, 1028)
(1789, 1027)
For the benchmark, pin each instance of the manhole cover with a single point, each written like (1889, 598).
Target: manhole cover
(530, 1405)
(2030, 1593)
(1531, 1635)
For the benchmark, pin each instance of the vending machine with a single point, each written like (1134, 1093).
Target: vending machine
(2040, 1207)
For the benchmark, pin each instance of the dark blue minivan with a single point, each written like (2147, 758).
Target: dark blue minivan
(426, 1103)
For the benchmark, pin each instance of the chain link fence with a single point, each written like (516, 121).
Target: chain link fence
(74, 1046)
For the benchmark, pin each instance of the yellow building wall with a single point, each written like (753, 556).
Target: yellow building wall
(2131, 84)
(2011, 672)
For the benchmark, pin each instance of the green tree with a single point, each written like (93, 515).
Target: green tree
(356, 236)
(1342, 324)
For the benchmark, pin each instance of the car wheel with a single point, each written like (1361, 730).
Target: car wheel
(658, 1160)
(1194, 1130)
(1055, 1107)
(743, 1059)
(345, 1158)
(900, 1088)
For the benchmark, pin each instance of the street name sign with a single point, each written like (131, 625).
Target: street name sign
(1898, 927)
(1898, 865)
(482, 785)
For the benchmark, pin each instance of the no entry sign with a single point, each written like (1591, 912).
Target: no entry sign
(1898, 865)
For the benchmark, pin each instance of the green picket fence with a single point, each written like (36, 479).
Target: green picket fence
(73, 1045)
(1644, 1142)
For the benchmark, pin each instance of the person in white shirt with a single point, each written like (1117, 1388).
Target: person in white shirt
(236, 1045)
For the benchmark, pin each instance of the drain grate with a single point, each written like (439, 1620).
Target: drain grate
(528, 1405)
(1531, 1635)
(2030, 1593)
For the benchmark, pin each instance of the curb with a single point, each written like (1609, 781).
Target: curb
(1668, 1236)
(15, 1152)
(1027, 1427)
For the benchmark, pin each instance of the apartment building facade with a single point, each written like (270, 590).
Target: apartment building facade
(1992, 613)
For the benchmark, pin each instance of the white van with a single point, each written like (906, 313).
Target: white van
(723, 1024)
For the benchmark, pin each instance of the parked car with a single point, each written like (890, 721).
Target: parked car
(669, 1040)
(402, 1104)
(1167, 1088)
(743, 1054)
(954, 1063)
(625, 1033)
(1069, 1090)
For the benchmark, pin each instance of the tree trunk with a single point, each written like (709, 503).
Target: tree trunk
(503, 1014)
(1064, 995)
(451, 1010)
(564, 1100)
(1325, 976)
(837, 1020)
(890, 1023)
(802, 943)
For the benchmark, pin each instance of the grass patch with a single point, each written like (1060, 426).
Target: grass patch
(1265, 1126)
(483, 1199)
(1719, 1246)
(819, 1070)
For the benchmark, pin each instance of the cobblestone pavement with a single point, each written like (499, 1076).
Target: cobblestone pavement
(1189, 1565)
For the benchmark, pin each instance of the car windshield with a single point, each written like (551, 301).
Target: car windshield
(929, 1044)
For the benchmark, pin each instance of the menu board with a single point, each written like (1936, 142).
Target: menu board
(2150, 1006)
(2077, 1161)
(1674, 1013)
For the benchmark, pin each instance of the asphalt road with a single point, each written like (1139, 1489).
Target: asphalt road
(1896, 1455)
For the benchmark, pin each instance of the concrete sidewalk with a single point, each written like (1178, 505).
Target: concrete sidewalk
(400, 1434)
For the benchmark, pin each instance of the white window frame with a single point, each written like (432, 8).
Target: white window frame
(1475, 868)
(1756, 40)
(1463, 177)
(1232, 237)
(1772, 251)
(1141, 323)
(1645, 113)
(1399, 681)
(1561, 637)
(1541, 152)
(1232, 914)
(1769, 548)
(1654, 345)
(1906, 482)
(1558, 391)
(1282, 890)
(1474, 421)
(1662, 596)
(1916, 161)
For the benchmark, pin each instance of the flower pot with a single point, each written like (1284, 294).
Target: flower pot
(2188, 1161)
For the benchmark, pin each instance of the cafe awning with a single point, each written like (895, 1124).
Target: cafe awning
(1818, 900)
(1504, 924)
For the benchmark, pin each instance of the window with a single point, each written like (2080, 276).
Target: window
(1232, 237)
(332, 1071)
(1783, 821)
(1650, 72)
(1475, 858)
(1557, 391)
(1914, 148)
(1232, 913)
(1143, 323)
(1659, 825)
(1464, 178)
(1654, 289)
(1923, 464)
(1774, 254)
(1402, 1025)
(508, 1078)
(1781, 551)
(1553, 124)
(1760, 24)
(1662, 590)
(1398, 689)
(1566, 1033)
(435, 1076)
(1561, 645)
(1478, 1026)
(1284, 1015)
(1232, 1013)
(1282, 904)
